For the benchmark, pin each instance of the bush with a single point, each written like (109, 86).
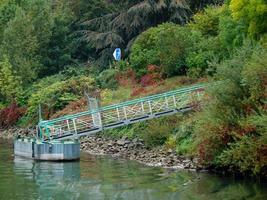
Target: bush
(37, 86)
(122, 65)
(231, 131)
(72, 108)
(58, 95)
(72, 71)
(207, 21)
(68, 73)
(202, 54)
(249, 153)
(107, 79)
(157, 131)
(152, 78)
(184, 136)
(165, 46)
(128, 131)
(126, 78)
(2, 106)
(252, 13)
(10, 83)
(255, 78)
(215, 124)
(231, 33)
(10, 115)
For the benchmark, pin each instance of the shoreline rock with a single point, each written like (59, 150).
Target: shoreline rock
(123, 148)
(10, 133)
(136, 150)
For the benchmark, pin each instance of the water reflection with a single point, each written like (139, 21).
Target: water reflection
(51, 178)
(105, 178)
(46, 170)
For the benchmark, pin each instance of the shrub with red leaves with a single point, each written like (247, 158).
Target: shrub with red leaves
(153, 77)
(10, 115)
(137, 91)
(126, 78)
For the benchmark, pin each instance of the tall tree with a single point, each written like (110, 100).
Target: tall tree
(84, 10)
(197, 5)
(120, 28)
(7, 12)
(252, 13)
(59, 47)
(89, 9)
(10, 83)
(20, 44)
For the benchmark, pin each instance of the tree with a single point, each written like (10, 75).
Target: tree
(58, 49)
(85, 10)
(207, 21)
(10, 83)
(197, 5)
(120, 28)
(20, 44)
(253, 13)
(165, 46)
(7, 12)
(40, 12)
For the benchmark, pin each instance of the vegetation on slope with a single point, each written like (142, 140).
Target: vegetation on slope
(51, 52)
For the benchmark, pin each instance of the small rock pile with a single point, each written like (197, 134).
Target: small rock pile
(14, 132)
(136, 150)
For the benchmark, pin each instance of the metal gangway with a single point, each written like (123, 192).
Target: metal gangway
(98, 118)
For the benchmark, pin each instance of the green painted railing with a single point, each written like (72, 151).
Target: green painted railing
(126, 103)
(119, 108)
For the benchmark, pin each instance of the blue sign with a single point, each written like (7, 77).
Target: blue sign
(117, 54)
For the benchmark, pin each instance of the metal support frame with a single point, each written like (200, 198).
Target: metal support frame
(75, 128)
(125, 113)
(118, 114)
(97, 119)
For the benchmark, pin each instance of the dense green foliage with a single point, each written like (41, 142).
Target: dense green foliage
(231, 131)
(207, 21)
(236, 113)
(59, 94)
(120, 28)
(166, 46)
(10, 83)
(252, 13)
(51, 52)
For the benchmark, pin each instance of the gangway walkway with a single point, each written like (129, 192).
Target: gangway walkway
(101, 118)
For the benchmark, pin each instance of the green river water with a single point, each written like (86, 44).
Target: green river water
(106, 178)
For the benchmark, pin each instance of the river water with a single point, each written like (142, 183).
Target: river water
(106, 178)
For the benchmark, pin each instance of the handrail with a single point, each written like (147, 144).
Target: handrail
(124, 104)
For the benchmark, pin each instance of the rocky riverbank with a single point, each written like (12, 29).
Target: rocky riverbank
(122, 148)
(136, 150)
(11, 133)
